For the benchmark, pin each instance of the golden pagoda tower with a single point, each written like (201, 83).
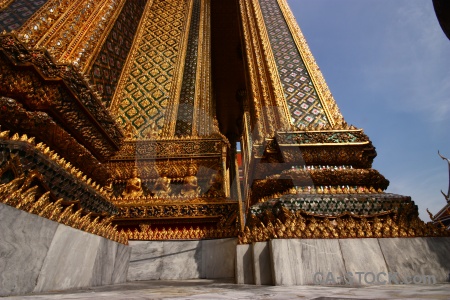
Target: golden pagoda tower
(143, 102)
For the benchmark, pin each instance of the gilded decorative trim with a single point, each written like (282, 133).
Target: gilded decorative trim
(177, 209)
(44, 19)
(329, 104)
(265, 102)
(260, 90)
(60, 176)
(42, 126)
(284, 115)
(203, 112)
(183, 147)
(322, 138)
(5, 3)
(86, 43)
(250, 59)
(285, 224)
(145, 233)
(174, 168)
(86, 38)
(69, 89)
(60, 22)
(18, 194)
(90, 60)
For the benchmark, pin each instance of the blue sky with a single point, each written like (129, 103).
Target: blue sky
(387, 64)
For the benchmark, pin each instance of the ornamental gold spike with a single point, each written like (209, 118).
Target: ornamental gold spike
(46, 151)
(65, 214)
(13, 185)
(56, 210)
(27, 197)
(45, 212)
(85, 221)
(12, 198)
(42, 202)
(15, 137)
(75, 218)
(4, 135)
(24, 138)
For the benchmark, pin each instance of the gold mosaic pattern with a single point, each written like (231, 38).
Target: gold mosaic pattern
(304, 105)
(334, 115)
(14, 14)
(144, 94)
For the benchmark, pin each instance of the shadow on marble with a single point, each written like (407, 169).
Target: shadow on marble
(24, 242)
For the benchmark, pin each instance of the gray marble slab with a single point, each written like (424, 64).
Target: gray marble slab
(181, 260)
(301, 261)
(218, 258)
(262, 269)
(244, 266)
(121, 264)
(104, 263)
(70, 260)
(284, 267)
(165, 260)
(24, 242)
(146, 261)
(318, 255)
(409, 257)
(363, 255)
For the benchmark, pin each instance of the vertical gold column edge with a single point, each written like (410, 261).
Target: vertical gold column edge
(87, 29)
(260, 81)
(278, 92)
(88, 65)
(54, 29)
(199, 72)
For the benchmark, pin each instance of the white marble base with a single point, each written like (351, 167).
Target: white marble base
(363, 255)
(297, 261)
(218, 258)
(38, 255)
(145, 260)
(121, 264)
(181, 260)
(262, 268)
(24, 243)
(70, 250)
(172, 260)
(409, 257)
(244, 265)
